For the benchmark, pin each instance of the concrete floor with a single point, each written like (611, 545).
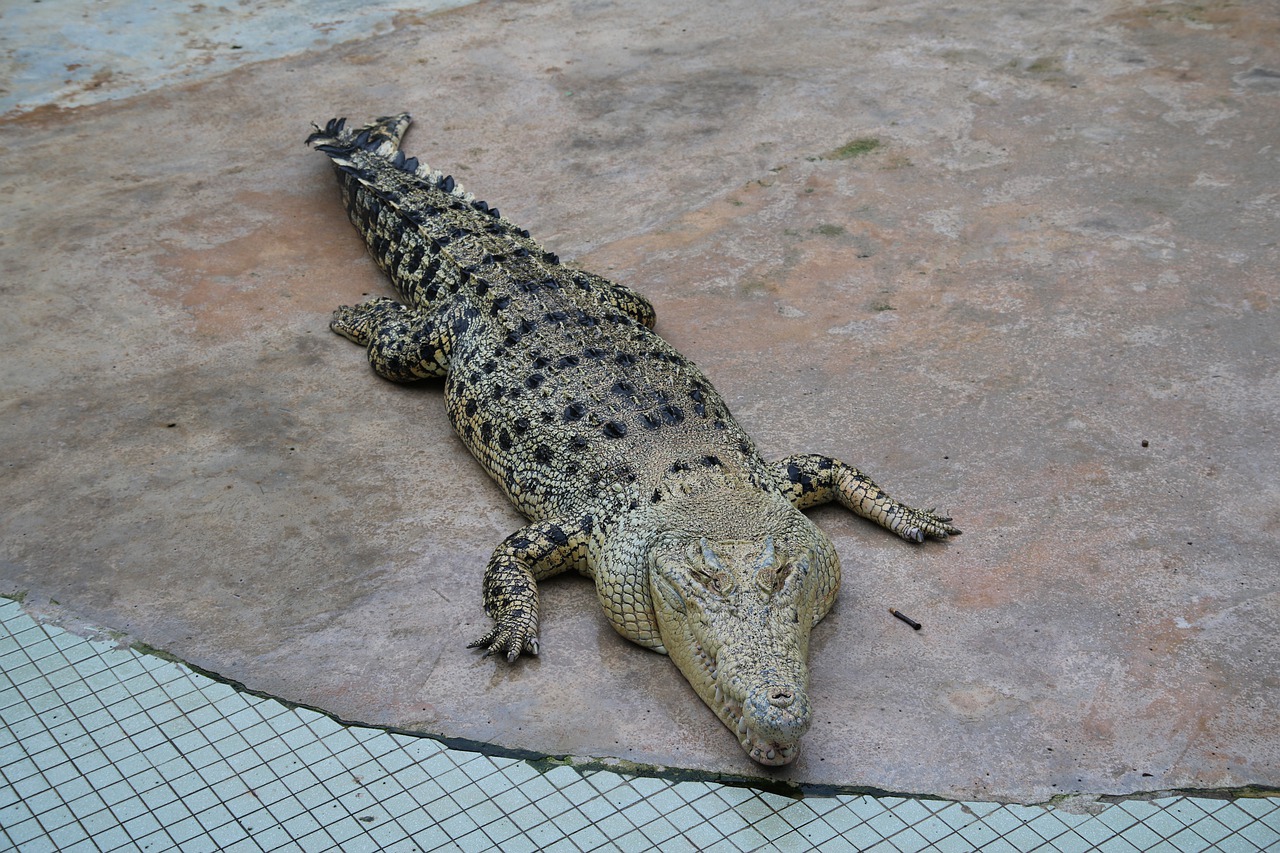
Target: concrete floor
(1043, 298)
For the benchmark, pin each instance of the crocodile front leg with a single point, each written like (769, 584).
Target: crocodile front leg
(808, 479)
(404, 344)
(534, 552)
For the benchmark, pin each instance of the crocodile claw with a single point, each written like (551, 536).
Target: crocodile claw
(935, 525)
(508, 640)
(916, 525)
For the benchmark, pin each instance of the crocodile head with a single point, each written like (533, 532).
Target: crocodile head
(735, 618)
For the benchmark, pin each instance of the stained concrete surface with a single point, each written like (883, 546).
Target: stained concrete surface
(1038, 290)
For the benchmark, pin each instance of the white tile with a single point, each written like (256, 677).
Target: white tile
(111, 838)
(1262, 836)
(24, 831)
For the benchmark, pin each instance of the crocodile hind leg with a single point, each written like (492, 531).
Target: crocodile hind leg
(808, 479)
(619, 296)
(533, 553)
(404, 344)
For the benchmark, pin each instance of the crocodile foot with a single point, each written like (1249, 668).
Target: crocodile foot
(509, 639)
(917, 524)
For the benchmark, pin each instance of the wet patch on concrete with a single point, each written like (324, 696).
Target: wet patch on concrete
(61, 57)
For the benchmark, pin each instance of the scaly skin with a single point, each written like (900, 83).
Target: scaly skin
(617, 449)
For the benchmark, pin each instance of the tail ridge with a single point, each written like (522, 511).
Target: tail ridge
(381, 138)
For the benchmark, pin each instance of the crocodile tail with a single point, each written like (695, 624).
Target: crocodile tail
(350, 150)
(380, 137)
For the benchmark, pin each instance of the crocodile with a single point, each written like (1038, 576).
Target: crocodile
(616, 448)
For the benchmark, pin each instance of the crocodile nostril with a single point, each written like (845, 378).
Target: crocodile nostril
(780, 697)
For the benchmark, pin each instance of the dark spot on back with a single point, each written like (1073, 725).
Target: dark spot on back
(799, 478)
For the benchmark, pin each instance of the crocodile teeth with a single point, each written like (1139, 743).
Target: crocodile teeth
(774, 754)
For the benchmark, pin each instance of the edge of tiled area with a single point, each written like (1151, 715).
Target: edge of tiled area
(104, 748)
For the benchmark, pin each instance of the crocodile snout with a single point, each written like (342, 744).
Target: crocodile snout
(778, 714)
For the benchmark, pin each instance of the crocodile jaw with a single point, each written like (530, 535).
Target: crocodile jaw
(775, 743)
(743, 651)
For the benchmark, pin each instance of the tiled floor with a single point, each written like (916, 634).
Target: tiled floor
(104, 748)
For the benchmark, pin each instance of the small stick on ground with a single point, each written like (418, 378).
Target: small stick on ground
(905, 618)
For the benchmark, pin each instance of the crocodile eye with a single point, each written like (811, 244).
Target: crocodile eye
(717, 581)
(710, 571)
(771, 579)
(771, 572)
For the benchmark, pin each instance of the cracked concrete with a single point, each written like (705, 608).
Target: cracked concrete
(1044, 299)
